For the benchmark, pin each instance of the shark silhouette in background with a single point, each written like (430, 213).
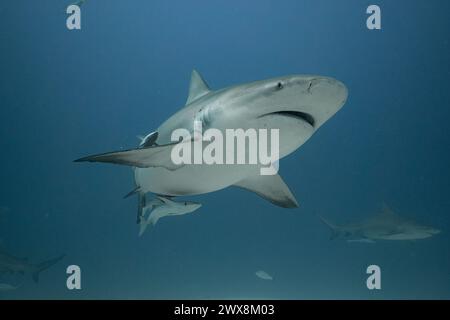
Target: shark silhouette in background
(386, 225)
(12, 264)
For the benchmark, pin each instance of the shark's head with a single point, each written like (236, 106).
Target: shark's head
(190, 206)
(430, 230)
(411, 232)
(310, 99)
(297, 105)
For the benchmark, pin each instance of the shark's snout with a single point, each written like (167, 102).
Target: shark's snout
(192, 206)
(326, 96)
(331, 88)
(434, 231)
(342, 92)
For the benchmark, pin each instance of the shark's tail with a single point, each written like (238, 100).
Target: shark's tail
(142, 227)
(150, 221)
(334, 228)
(44, 266)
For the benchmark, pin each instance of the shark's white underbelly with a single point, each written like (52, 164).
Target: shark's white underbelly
(191, 179)
(406, 236)
(203, 178)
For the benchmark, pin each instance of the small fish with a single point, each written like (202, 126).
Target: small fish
(263, 275)
(149, 140)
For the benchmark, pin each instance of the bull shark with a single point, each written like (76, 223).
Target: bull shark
(386, 225)
(296, 105)
(162, 207)
(12, 264)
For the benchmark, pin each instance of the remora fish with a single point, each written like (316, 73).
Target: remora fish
(163, 207)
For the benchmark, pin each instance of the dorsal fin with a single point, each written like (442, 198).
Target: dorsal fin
(132, 192)
(197, 88)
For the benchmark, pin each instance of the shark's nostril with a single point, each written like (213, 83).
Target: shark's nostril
(313, 83)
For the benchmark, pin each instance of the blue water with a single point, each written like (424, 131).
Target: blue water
(65, 94)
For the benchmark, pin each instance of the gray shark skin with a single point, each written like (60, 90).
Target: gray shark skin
(386, 225)
(296, 105)
(162, 207)
(12, 264)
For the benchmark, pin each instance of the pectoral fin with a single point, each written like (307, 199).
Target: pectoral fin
(153, 218)
(155, 156)
(271, 188)
(132, 192)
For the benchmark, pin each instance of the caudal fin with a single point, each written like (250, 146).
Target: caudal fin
(152, 219)
(142, 227)
(44, 266)
(334, 229)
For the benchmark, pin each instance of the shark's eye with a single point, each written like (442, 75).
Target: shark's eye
(279, 86)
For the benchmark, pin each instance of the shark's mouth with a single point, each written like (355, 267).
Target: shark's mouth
(306, 117)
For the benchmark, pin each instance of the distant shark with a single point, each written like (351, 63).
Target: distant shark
(12, 264)
(296, 105)
(386, 225)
